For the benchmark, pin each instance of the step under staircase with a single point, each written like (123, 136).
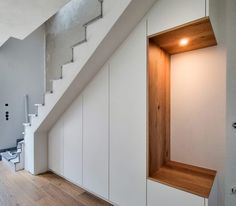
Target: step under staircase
(103, 35)
(15, 159)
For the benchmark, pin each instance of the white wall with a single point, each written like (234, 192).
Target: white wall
(166, 14)
(198, 103)
(198, 107)
(21, 72)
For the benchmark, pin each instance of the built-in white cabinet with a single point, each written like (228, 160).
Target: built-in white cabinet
(159, 194)
(128, 121)
(167, 14)
(56, 148)
(95, 134)
(100, 141)
(73, 141)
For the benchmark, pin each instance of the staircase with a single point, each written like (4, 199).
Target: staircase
(103, 35)
(15, 159)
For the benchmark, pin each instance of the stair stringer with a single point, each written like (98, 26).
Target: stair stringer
(104, 37)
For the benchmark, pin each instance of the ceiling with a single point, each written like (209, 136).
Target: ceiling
(18, 18)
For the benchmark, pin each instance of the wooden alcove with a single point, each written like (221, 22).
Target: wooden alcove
(161, 46)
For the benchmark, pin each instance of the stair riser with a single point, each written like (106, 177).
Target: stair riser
(69, 71)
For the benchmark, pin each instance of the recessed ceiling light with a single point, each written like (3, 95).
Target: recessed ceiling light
(183, 42)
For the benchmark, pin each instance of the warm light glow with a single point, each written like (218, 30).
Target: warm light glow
(183, 42)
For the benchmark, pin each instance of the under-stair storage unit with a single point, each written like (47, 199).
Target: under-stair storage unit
(103, 37)
(56, 148)
(73, 140)
(95, 134)
(193, 185)
(128, 121)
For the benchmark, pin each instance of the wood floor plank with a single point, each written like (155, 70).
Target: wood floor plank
(28, 187)
(18, 197)
(24, 189)
(64, 185)
(90, 200)
(6, 197)
(38, 180)
(60, 196)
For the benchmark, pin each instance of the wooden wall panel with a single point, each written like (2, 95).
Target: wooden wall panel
(159, 107)
(199, 33)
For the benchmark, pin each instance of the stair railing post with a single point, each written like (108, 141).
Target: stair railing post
(101, 2)
(26, 108)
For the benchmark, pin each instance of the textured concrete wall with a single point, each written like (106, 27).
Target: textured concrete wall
(64, 30)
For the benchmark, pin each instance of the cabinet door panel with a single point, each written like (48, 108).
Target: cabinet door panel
(95, 134)
(167, 14)
(73, 142)
(55, 148)
(159, 194)
(128, 121)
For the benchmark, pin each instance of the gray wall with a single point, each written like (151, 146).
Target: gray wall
(230, 28)
(21, 72)
(64, 30)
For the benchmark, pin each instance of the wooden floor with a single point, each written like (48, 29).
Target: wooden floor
(23, 189)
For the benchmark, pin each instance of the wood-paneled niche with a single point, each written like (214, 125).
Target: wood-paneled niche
(194, 35)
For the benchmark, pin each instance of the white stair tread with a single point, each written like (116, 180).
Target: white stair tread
(69, 65)
(26, 124)
(8, 155)
(39, 105)
(32, 115)
(15, 161)
(21, 142)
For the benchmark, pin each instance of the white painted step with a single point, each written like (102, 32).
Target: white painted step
(26, 124)
(32, 115)
(38, 105)
(8, 155)
(15, 161)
